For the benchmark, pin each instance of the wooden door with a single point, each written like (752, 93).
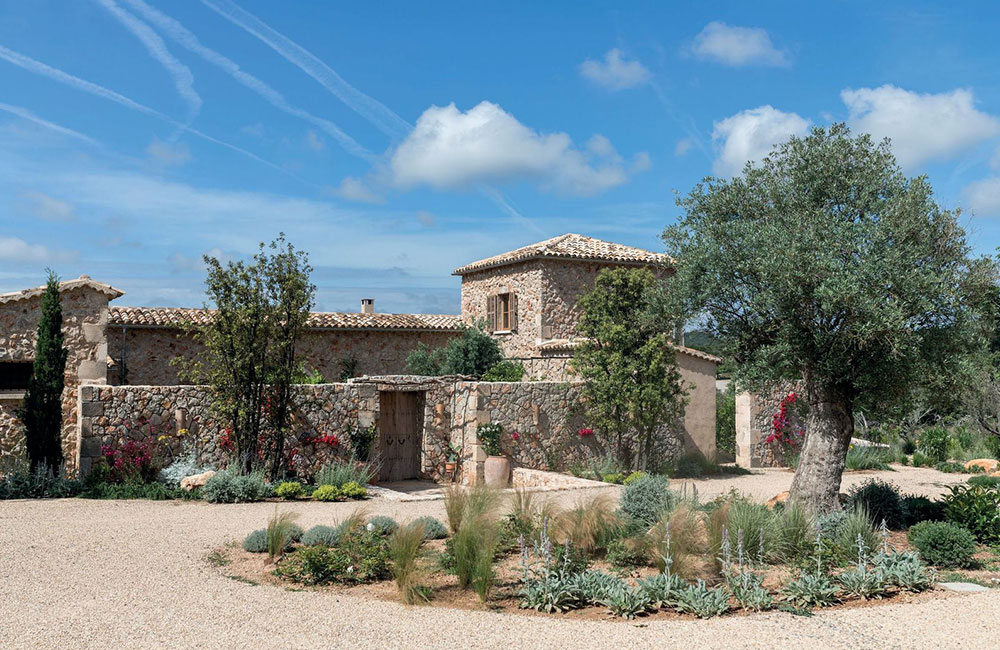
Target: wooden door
(401, 428)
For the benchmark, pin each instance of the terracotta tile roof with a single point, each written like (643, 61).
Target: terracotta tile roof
(179, 317)
(565, 345)
(68, 285)
(570, 246)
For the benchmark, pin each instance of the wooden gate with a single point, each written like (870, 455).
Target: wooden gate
(400, 438)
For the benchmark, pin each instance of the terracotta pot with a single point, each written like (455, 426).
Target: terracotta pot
(497, 471)
(449, 470)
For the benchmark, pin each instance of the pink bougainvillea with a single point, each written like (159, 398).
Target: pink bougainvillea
(782, 432)
(586, 432)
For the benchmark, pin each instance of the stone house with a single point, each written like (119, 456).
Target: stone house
(526, 297)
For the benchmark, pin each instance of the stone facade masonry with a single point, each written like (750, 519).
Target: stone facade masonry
(523, 279)
(85, 316)
(149, 351)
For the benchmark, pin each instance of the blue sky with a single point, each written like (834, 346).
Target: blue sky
(396, 141)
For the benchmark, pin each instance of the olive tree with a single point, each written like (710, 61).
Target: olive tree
(825, 263)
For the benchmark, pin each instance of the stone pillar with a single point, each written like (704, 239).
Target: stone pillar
(744, 434)
(89, 408)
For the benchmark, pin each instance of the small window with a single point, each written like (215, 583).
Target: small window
(501, 312)
(14, 376)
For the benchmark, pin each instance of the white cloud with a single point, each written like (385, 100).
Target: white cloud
(354, 189)
(683, 146)
(751, 134)
(984, 196)
(13, 249)
(615, 72)
(449, 149)
(921, 126)
(172, 154)
(641, 162)
(314, 142)
(48, 208)
(737, 46)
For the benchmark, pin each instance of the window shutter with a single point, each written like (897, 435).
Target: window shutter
(491, 314)
(513, 312)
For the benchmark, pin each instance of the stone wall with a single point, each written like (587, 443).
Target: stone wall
(547, 417)
(184, 417)
(754, 423)
(523, 279)
(149, 351)
(85, 316)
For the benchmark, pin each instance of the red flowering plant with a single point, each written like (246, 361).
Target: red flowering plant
(585, 432)
(138, 455)
(787, 429)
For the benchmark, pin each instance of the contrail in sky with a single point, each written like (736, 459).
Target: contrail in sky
(24, 113)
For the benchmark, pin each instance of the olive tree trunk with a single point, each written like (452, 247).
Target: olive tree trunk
(829, 427)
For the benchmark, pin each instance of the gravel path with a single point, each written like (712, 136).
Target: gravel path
(132, 574)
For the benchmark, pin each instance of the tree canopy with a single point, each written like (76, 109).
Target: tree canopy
(825, 263)
(629, 368)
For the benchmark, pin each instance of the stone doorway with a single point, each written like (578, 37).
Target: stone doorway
(401, 434)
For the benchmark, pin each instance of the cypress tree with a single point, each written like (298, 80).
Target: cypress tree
(42, 409)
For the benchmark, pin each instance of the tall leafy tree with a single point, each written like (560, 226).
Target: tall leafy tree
(632, 385)
(826, 264)
(261, 309)
(41, 412)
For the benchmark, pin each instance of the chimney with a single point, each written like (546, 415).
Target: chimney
(367, 305)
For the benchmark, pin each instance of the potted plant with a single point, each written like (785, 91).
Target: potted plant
(497, 467)
(451, 461)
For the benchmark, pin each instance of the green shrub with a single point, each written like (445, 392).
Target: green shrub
(382, 525)
(861, 458)
(150, 491)
(951, 467)
(934, 442)
(985, 481)
(256, 542)
(920, 508)
(327, 493)
(357, 558)
(290, 490)
(433, 529)
(905, 570)
(810, 590)
(229, 487)
(663, 590)
(505, 370)
(943, 544)
(857, 524)
(863, 582)
(340, 472)
(628, 552)
(920, 460)
(614, 477)
(702, 601)
(322, 536)
(977, 508)
(570, 558)
(633, 477)
(40, 484)
(725, 420)
(353, 490)
(646, 499)
(881, 500)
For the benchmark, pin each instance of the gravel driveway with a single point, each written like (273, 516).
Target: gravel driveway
(132, 574)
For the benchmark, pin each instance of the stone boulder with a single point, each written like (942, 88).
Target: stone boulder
(196, 480)
(987, 465)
